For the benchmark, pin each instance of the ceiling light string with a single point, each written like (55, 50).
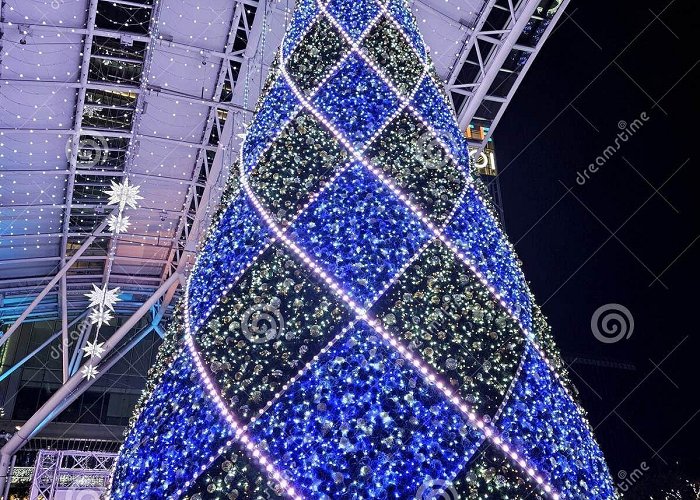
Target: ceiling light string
(263, 43)
(122, 195)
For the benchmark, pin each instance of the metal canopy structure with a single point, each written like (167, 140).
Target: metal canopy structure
(93, 91)
(493, 60)
(158, 91)
(71, 474)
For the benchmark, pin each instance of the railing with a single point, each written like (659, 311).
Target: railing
(63, 474)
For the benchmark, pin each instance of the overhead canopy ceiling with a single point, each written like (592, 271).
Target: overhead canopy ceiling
(95, 90)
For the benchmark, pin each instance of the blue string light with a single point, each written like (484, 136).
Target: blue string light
(357, 324)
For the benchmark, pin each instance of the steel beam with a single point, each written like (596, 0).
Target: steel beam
(499, 43)
(52, 283)
(74, 387)
(115, 133)
(493, 65)
(75, 142)
(191, 237)
(109, 87)
(64, 328)
(469, 43)
(78, 279)
(36, 351)
(141, 104)
(79, 344)
(162, 239)
(85, 258)
(523, 71)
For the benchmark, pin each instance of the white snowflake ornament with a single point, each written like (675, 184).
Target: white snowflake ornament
(100, 317)
(118, 223)
(103, 297)
(124, 195)
(94, 349)
(89, 372)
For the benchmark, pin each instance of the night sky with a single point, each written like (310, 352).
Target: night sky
(630, 234)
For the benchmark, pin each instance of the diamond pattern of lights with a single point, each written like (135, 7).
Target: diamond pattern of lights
(376, 339)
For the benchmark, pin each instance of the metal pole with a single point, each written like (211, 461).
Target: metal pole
(78, 348)
(10, 469)
(64, 328)
(72, 389)
(36, 351)
(52, 283)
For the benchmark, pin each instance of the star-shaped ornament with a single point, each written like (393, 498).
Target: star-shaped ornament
(89, 372)
(94, 349)
(118, 223)
(103, 297)
(100, 317)
(124, 195)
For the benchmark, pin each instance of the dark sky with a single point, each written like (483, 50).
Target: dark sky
(630, 234)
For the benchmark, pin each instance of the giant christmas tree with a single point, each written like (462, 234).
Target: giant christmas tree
(357, 324)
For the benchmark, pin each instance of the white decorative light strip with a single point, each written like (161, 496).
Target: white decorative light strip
(529, 335)
(295, 112)
(240, 434)
(423, 57)
(416, 210)
(325, 186)
(195, 327)
(424, 369)
(501, 407)
(333, 341)
(488, 431)
(329, 73)
(292, 116)
(357, 49)
(279, 394)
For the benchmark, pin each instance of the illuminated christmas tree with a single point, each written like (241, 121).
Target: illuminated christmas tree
(357, 324)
